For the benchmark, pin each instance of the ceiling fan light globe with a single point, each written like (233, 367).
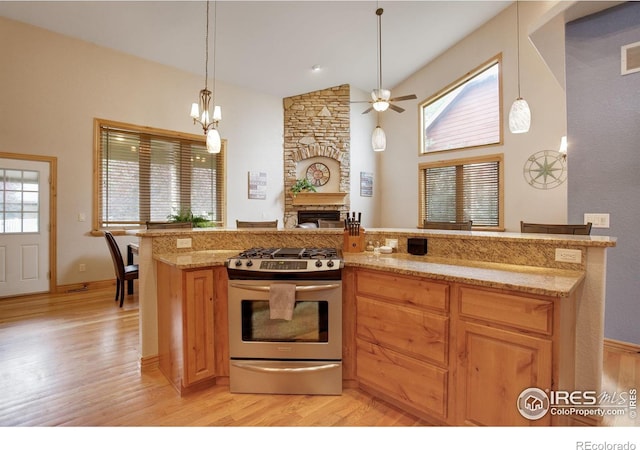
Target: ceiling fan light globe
(380, 105)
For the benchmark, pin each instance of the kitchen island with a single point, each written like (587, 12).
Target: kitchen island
(517, 272)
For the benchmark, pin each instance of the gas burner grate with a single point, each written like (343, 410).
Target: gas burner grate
(290, 253)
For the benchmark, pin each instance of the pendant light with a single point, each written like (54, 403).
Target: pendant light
(201, 111)
(378, 139)
(520, 114)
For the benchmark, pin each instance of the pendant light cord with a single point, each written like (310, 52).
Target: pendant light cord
(379, 14)
(215, 29)
(206, 50)
(518, 40)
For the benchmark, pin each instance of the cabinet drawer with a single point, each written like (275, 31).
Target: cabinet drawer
(407, 290)
(524, 313)
(408, 330)
(407, 380)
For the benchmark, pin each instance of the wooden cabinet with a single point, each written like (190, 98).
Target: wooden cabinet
(458, 354)
(186, 343)
(506, 343)
(402, 338)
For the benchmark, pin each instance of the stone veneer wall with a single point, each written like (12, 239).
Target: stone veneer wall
(316, 124)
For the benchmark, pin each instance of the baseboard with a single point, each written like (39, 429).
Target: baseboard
(85, 286)
(149, 362)
(622, 346)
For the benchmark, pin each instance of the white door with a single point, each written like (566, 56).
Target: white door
(24, 227)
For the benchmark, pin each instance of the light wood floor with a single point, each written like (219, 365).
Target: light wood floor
(72, 360)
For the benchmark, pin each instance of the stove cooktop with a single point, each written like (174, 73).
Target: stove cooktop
(285, 262)
(290, 253)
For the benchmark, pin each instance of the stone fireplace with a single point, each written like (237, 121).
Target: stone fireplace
(317, 130)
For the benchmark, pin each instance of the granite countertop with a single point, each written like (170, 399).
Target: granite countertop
(525, 279)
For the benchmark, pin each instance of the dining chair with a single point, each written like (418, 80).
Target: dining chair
(264, 224)
(433, 225)
(123, 272)
(581, 228)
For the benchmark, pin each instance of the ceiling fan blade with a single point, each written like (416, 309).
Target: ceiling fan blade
(403, 97)
(367, 110)
(361, 101)
(395, 108)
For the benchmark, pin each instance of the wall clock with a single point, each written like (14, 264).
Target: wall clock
(545, 169)
(318, 174)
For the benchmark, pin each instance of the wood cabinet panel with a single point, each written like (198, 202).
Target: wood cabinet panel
(406, 380)
(199, 339)
(524, 313)
(494, 367)
(404, 290)
(409, 330)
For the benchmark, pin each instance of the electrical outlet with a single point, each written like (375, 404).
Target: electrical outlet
(597, 220)
(82, 267)
(82, 217)
(183, 243)
(568, 255)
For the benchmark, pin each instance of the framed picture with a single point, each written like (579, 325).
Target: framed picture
(258, 185)
(366, 184)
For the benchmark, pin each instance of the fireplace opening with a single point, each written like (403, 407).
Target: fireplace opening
(312, 216)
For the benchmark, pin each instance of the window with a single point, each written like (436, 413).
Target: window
(145, 174)
(466, 114)
(462, 190)
(19, 201)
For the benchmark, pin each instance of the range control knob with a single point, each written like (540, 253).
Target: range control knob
(238, 262)
(318, 263)
(330, 263)
(249, 263)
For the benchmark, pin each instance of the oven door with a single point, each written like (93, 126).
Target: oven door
(313, 333)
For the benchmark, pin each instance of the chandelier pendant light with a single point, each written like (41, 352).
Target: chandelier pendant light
(520, 114)
(202, 112)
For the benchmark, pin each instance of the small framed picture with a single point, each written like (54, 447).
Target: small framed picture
(258, 185)
(366, 184)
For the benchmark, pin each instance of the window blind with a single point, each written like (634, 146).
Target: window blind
(462, 191)
(150, 175)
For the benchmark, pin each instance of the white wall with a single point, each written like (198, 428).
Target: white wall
(399, 163)
(51, 89)
(363, 159)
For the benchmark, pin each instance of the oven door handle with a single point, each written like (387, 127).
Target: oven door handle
(309, 288)
(262, 368)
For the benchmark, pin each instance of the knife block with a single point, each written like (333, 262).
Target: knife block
(353, 244)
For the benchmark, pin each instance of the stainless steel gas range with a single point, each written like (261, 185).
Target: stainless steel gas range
(298, 354)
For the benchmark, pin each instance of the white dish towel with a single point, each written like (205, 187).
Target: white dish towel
(282, 298)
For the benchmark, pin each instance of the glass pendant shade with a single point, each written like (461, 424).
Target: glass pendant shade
(519, 116)
(214, 144)
(378, 140)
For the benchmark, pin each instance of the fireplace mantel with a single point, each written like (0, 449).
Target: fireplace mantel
(319, 198)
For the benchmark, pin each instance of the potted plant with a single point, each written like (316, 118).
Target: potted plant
(302, 185)
(187, 216)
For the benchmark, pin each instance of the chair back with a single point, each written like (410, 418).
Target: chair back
(323, 223)
(164, 225)
(431, 225)
(581, 228)
(116, 256)
(264, 224)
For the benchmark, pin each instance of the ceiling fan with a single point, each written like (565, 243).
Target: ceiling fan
(381, 99)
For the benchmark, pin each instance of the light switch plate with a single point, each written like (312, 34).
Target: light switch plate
(597, 220)
(568, 255)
